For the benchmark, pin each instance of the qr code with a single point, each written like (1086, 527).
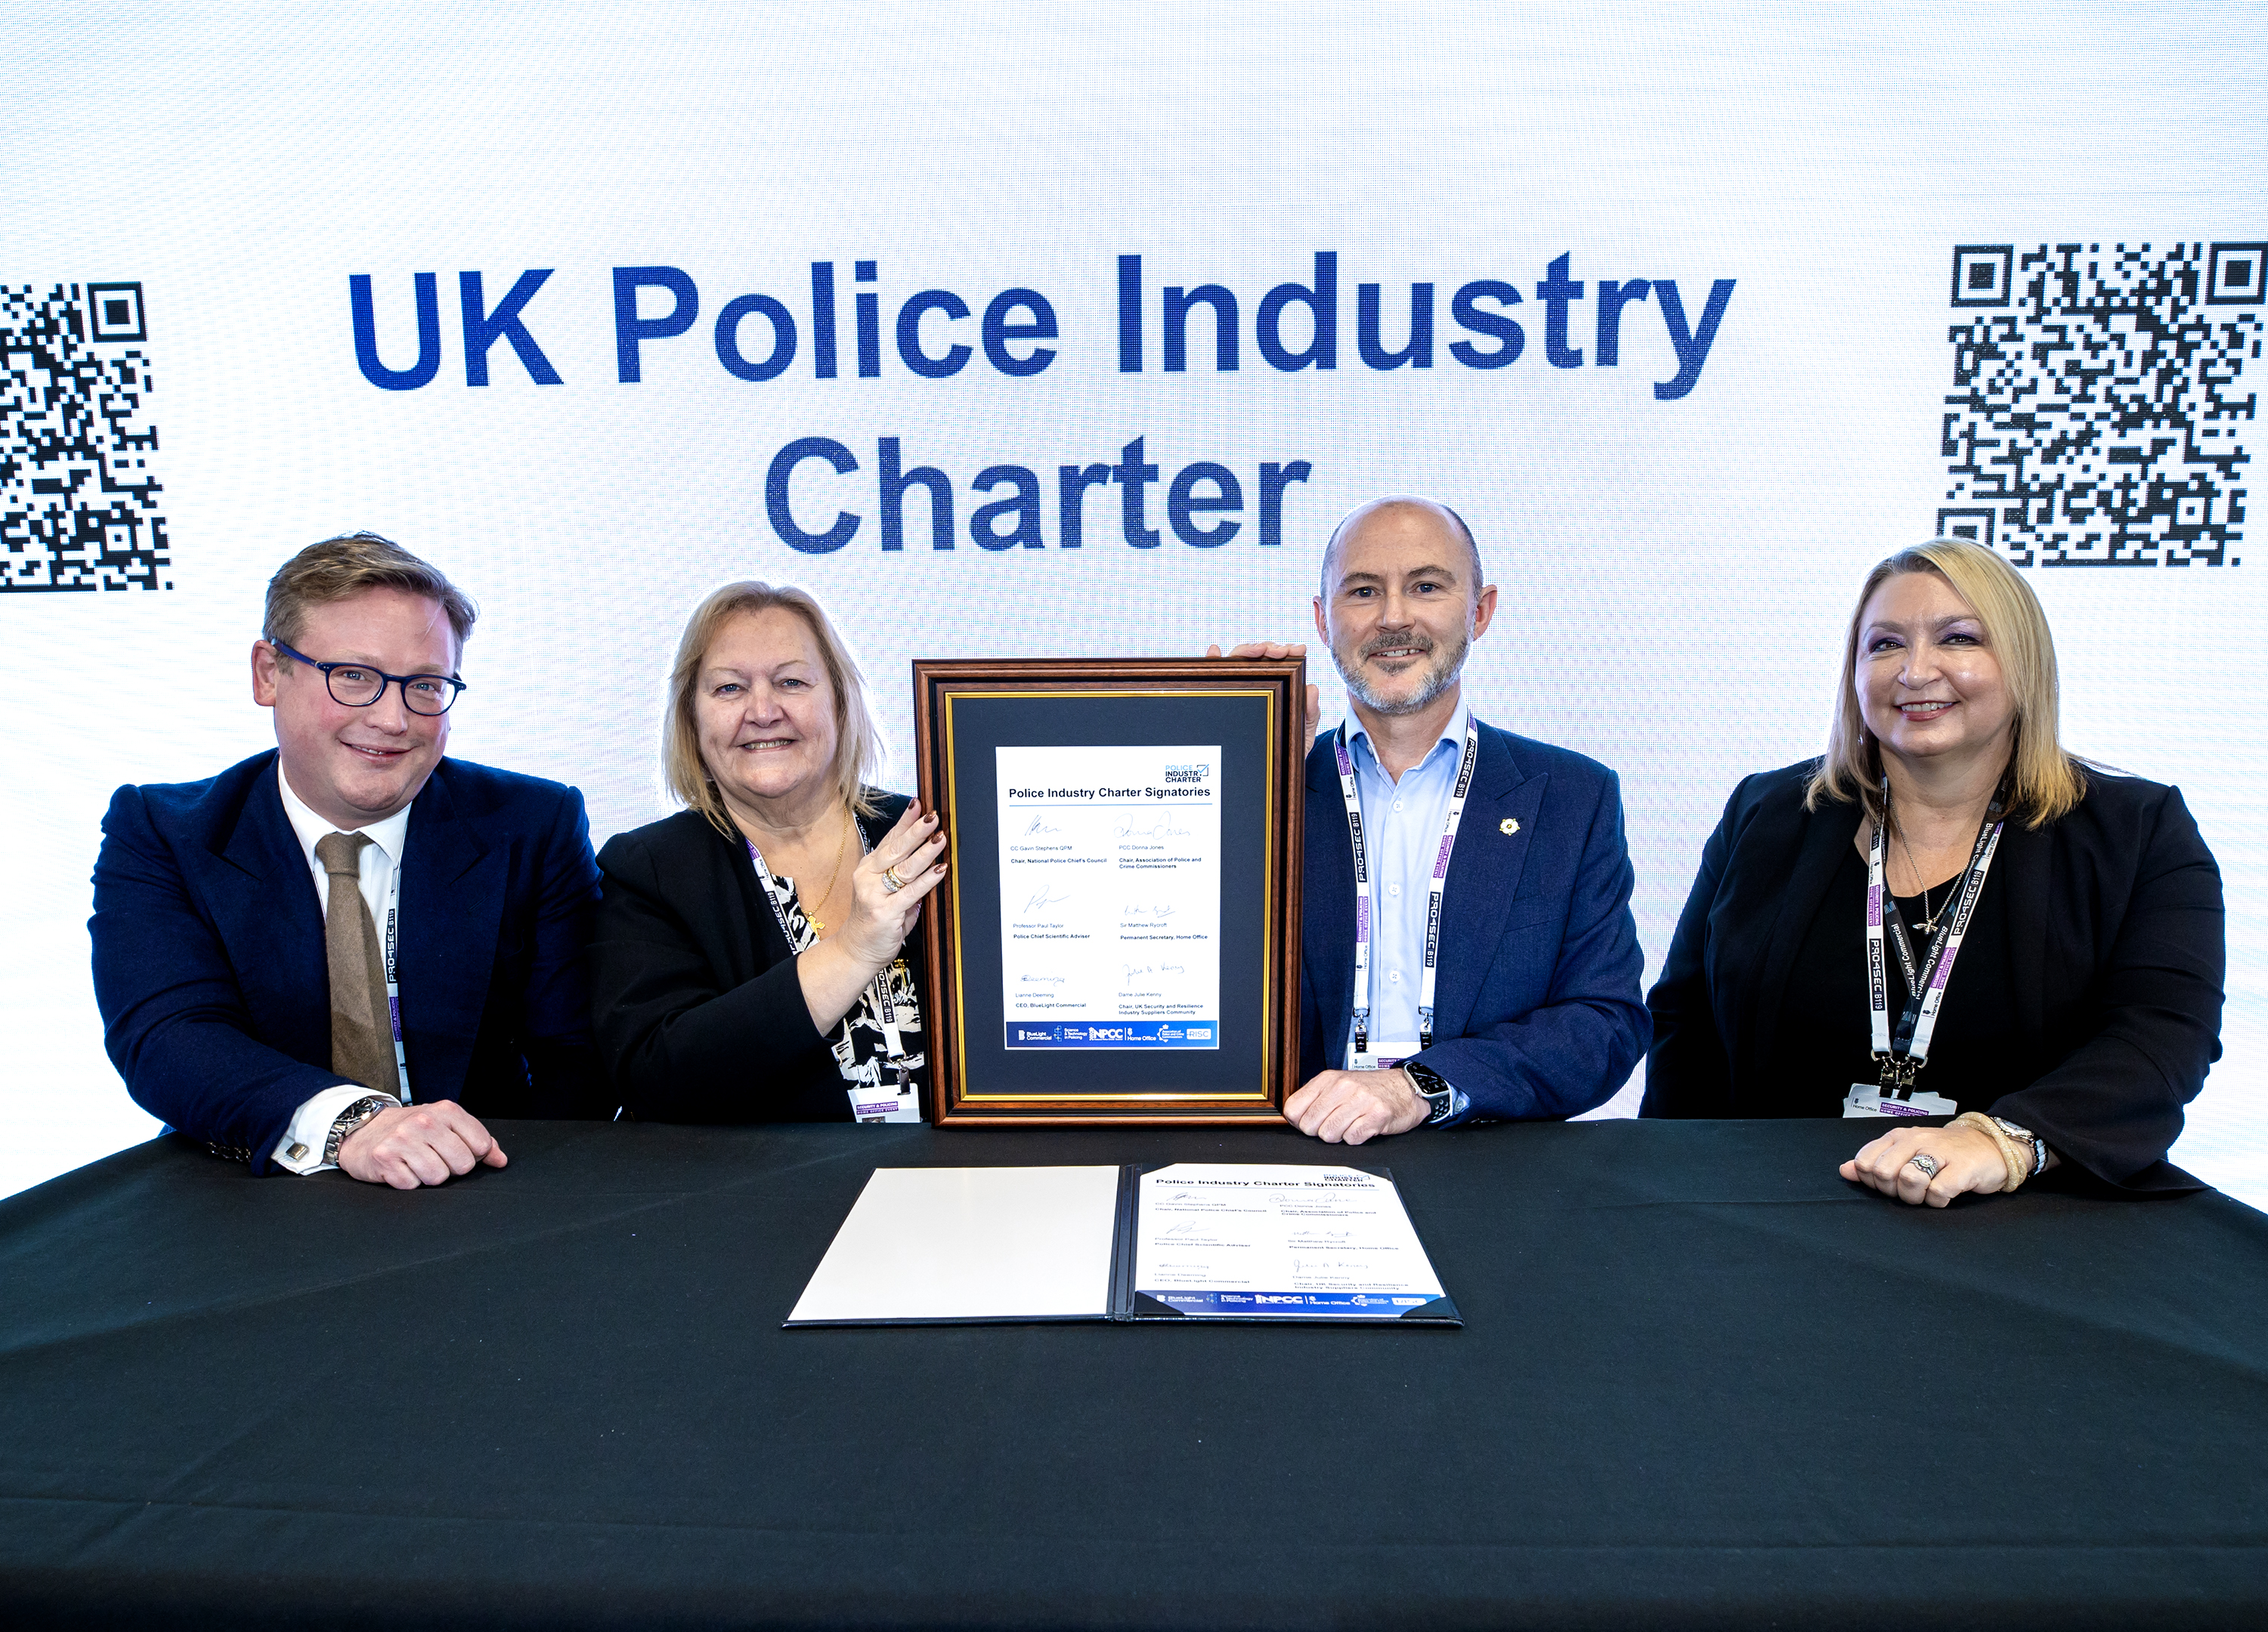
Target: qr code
(79, 491)
(2098, 415)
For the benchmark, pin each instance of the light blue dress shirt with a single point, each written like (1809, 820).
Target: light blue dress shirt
(1401, 829)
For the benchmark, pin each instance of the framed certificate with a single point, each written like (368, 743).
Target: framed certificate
(1118, 939)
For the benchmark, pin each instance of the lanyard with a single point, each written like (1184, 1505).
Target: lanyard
(1362, 894)
(392, 984)
(1899, 1059)
(894, 1048)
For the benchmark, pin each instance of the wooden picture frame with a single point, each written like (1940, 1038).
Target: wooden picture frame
(973, 718)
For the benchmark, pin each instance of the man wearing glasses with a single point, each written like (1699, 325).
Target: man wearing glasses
(334, 953)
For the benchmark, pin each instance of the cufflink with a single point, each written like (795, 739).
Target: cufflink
(297, 1152)
(1507, 827)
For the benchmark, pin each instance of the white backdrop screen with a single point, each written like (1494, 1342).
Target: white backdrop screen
(1034, 329)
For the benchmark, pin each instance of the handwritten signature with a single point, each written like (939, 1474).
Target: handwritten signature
(1044, 897)
(1041, 825)
(1129, 828)
(1131, 910)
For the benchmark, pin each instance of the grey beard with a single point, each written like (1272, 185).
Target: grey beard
(1439, 679)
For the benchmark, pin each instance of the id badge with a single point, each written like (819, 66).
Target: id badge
(1383, 1056)
(883, 1103)
(1866, 1099)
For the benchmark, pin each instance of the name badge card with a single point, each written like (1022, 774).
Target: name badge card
(1866, 1099)
(883, 1103)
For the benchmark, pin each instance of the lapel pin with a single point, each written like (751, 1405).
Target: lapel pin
(1508, 826)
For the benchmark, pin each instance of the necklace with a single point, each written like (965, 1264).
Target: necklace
(810, 908)
(1928, 922)
(810, 913)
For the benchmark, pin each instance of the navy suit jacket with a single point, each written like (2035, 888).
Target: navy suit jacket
(210, 971)
(1537, 1010)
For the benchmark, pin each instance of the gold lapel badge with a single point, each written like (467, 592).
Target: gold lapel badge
(1508, 826)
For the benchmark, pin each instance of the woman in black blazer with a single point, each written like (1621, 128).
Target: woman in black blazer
(749, 962)
(2075, 917)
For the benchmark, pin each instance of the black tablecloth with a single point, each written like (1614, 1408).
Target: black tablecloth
(1702, 1382)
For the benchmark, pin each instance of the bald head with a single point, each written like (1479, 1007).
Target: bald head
(1401, 601)
(1399, 510)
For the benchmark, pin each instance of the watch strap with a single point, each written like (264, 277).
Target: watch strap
(1431, 1086)
(2025, 1135)
(353, 1117)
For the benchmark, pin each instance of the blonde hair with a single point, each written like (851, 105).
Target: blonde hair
(347, 565)
(2046, 782)
(858, 745)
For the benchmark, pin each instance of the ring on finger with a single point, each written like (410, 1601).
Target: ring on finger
(1927, 1163)
(891, 883)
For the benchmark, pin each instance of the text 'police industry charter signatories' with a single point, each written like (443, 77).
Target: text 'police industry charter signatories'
(1110, 897)
(1252, 1242)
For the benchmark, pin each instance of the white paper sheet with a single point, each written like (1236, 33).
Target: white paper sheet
(1110, 897)
(1281, 1241)
(970, 1244)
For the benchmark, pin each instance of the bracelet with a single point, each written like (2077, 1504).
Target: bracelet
(352, 1118)
(2019, 1162)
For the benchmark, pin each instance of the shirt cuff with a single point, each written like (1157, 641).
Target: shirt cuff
(300, 1150)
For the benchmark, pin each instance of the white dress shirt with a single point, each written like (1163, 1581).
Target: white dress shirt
(1402, 822)
(382, 863)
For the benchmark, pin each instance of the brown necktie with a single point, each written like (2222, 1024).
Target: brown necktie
(361, 1031)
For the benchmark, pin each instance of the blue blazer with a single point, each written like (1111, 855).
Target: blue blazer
(1537, 1010)
(214, 985)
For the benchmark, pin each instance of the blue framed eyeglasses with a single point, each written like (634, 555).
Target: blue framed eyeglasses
(358, 685)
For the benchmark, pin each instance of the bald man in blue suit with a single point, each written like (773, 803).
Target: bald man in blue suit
(1532, 1008)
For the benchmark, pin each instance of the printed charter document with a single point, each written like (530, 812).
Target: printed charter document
(1110, 897)
(1229, 1238)
(1192, 1241)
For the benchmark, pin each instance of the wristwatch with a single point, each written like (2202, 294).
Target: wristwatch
(1434, 1089)
(353, 1117)
(2025, 1135)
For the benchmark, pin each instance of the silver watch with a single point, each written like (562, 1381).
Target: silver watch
(2027, 1137)
(353, 1117)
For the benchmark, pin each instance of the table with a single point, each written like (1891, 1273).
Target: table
(1703, 1383)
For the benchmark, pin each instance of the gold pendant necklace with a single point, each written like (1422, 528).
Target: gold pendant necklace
(810, 913)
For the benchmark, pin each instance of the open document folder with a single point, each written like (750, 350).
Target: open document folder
(1202, 1241)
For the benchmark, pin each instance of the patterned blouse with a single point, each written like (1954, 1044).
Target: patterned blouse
(861, 1042)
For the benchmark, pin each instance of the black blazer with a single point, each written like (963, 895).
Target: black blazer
(696, 1005)
(2115, 915)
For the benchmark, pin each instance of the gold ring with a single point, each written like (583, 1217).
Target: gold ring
(891, 882)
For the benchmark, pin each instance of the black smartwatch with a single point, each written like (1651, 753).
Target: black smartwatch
(1434, 1089)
